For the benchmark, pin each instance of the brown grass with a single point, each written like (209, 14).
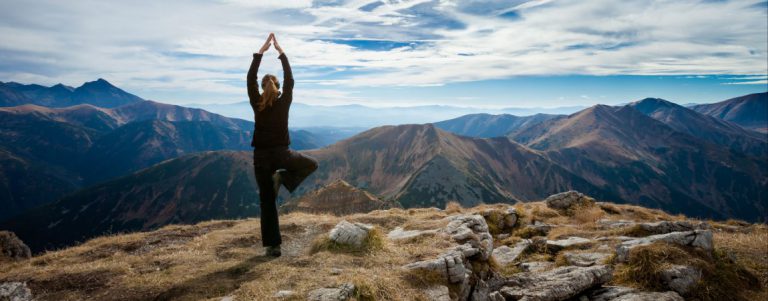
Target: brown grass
(372, 243)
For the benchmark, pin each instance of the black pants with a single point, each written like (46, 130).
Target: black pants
(265, 163)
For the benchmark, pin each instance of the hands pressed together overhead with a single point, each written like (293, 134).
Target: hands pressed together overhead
(271, 39)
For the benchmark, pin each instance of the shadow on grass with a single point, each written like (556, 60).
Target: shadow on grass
(219, 283)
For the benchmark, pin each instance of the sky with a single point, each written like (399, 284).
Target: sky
(472, 53)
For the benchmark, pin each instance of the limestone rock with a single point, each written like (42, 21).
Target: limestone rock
(664, 227)
(650, 296)
(502, 219)
(284, 294)
(567, 200)
(505, 255)
(558, 284)
(585, 259)
(472, 232)
(12, 247)
(448, 266)
(341, 293)
(348, 233)
(568, 243)
(620, 293)
(536, 266)
(538, 229)
(400, 234)
(697, 238)
(495, 296)
(614, 224)
(437, 293)
(681, 278)
(15, 291)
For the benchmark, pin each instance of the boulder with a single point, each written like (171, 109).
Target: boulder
(350, 234)
(495, 296)
(664, 227)
(536, 266)
(568, 200)
(681, 278)
(505, 255)
(472, 232)
(585, 259)
(558, 284)
(614, 224)
(697, 238)
(502, 219)
(342, 293)
(650, 296)
(568, 243)
(537, 229)
(11, 247)
(620, 293)
(437, 293)
(400, 234)
(449, 267)
(15, 291)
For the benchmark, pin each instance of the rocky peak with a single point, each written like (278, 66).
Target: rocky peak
(338, 198)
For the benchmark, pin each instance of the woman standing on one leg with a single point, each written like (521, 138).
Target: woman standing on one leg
(274, 163)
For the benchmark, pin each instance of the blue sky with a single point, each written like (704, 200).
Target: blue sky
(478, 53)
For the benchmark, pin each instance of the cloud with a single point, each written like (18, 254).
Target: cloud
(204, 47)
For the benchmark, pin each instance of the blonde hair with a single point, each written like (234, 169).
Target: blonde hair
(271, 87)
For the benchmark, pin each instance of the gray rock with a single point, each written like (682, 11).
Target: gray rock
(536, 266)
(12, 247)
(664, 227)
(471, 231)
(350, 234)
(227, 298)
(284, 294)
(341, 293)
(506, 218)
(611, 224)
(681, 278)
(15, 291)
(400, 234)
(495, 296)
(568, 243)
(481, 292)
(697, 238)
(568, 199)
(449, 266)
(650, 296)
(505, 255)
(538, 228)
(558, 284)
(612, 238)
(585, 259)
(608, 293)
(437, 293)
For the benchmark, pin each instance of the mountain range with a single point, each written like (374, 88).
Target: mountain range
(99, 93)
(749, 111)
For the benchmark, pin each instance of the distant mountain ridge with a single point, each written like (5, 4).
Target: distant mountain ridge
(100, 93)
(486, 125)
(749, 111)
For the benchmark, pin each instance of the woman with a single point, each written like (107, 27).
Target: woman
(274, 163)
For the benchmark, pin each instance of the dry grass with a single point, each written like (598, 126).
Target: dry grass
(372, 243)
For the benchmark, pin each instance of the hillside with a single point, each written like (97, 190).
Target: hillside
(646, 162)
(575, 257)
(98, 93)
(487, 125)
(749, 111)
(338, 198)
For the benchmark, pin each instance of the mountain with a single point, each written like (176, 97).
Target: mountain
(749, 111)
(189, 189)
(487, 125)
(704, 127)
(337, 198)
(649, 163)
(99, 93)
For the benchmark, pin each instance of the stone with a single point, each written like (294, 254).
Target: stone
(567, 200)
(504, 255)
(650, 296)
(12, 247)
(449, 266)
(664, 227)
(228, 298)
(620, 293)
(681, 278)
(538, 229)
(585, 259)
(284, 294)
(472, 232)
(554, 285)
(536, 266)
(15, 291)
(481, 291)
(350, 234)
(697, 238)
(495, 296)
(437, 293)
(503, 219)
(614, 224)
(400, 234)
(568, 243)
(342, 293)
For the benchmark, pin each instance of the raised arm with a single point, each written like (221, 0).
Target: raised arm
(252, 79)
(287, 73)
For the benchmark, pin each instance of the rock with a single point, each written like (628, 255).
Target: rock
(341, 293)
(505, 219)
(568, 243)
(536, 266)
(607, 293)
(350, 234)
(12, 247)
(619, 238)
(611, 224)
(558, 284)
(620, 293)
(400, 234)
(472, 232)
(697, 238)
(681, 278)
(228, 298)
(437, 293)
(285, 294)
(15, 291)
(568, 200)
(448, 266)
(585, 259)
(481, 291)
(664, 227)
(537, 229)
(505, 255)
(495, 296)
(650, 296)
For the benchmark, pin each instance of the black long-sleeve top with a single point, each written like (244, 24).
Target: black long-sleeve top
(271, 126)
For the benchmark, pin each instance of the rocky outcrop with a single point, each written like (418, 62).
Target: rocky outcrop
(614, 224)
(400, 234)
(664, 227)
(438, 293)
(697, 238)
(585, 259)
(504, 255)
(568, 200)
(620, 293)
(536, 266)
(350, 234)
(15, 291)
(568, 243)
(555, 285)
(501, 220)
(12, 248)
(681, 278)
(338, 198)
(342, 293)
